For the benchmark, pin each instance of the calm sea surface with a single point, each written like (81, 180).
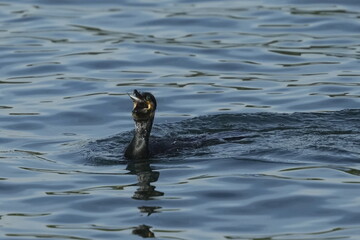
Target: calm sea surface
(257, 104)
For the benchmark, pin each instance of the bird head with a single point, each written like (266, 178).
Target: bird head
(144, 105)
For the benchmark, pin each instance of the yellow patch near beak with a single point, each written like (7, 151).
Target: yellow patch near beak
(150, 105)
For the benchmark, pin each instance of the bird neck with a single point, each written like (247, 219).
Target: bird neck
(139, 145)
(143, 129)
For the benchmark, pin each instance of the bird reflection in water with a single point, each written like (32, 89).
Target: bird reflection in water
(145, 176)
(143, 231)
(145, 191)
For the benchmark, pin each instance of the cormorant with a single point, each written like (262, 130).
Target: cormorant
(143, 114)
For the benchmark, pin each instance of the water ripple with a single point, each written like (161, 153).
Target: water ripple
(230, 171)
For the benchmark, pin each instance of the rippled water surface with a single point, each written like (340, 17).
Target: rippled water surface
(257, 115)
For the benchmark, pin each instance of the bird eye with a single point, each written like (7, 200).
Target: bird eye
(147, 98)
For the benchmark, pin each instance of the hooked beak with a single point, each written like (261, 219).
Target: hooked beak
(136, 97)
(140, 103)
(144, 105)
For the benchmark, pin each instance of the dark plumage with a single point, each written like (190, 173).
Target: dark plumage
(143, 114)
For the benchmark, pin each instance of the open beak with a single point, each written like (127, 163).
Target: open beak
(136, 97)
(139, 101)
(144, 105)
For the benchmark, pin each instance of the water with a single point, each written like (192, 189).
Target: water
(257, 103)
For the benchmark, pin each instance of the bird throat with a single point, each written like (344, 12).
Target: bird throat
(139, 145)
(143, 129)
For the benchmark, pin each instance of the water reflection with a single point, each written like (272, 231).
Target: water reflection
(143, 231)
(145, 177)
(65, 67)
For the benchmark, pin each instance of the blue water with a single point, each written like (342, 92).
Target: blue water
(258, 108)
